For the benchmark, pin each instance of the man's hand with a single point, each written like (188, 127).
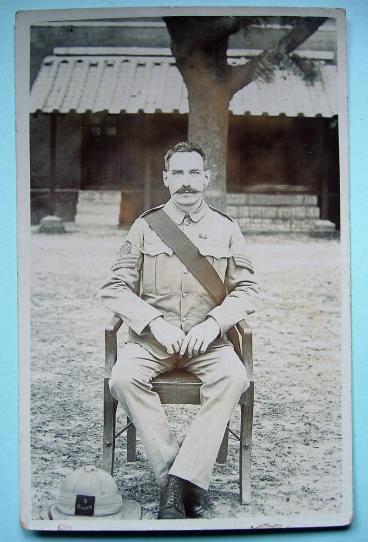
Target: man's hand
(199, 338)
(171, 337)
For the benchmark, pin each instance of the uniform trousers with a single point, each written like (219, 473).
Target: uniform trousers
(224, 379)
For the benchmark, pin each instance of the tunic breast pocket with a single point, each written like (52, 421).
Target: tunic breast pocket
(217, 254)
(157, 274)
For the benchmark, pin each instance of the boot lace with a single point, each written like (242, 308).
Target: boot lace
(175, 496)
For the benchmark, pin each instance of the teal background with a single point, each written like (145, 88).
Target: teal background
(357, 18)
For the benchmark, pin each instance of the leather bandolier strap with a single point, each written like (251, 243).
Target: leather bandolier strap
(193, 260)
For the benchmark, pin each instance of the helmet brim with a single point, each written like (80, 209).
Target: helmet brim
(130, 510)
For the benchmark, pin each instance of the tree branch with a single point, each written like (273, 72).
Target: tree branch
(261, 65)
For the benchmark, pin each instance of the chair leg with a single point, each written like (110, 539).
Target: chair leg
(246, 423)
(222, 453)
(110, 405)
(131, 442)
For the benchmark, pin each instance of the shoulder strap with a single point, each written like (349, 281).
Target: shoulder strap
(188, 253)
(197, 264)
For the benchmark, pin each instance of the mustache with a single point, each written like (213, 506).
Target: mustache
(186, 189)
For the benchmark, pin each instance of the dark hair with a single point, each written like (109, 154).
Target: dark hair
(185, 146)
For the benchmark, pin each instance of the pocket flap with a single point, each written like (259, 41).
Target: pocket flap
(155, 248)
(217, 251)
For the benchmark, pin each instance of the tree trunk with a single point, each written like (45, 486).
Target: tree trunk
(208, 125)
(199, 46)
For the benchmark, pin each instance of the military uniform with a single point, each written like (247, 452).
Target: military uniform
(147, 281)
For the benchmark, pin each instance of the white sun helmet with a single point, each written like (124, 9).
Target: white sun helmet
(91, 493)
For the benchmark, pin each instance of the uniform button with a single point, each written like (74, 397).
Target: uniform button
(185, 294)
(184, 320)
(186, 271)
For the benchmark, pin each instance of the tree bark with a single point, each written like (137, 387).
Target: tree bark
(209, 125)
(200, 49)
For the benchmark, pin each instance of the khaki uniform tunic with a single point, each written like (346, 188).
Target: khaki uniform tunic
(148, 280)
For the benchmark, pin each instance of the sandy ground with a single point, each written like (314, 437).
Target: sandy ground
(297, 443)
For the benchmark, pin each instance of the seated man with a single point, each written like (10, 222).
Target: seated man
(174, 322)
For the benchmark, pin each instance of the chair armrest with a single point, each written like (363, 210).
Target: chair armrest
(247, 347)
(114, 324)
(111, 330)
(243, 328)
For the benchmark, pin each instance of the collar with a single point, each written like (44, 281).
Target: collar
(177, 215)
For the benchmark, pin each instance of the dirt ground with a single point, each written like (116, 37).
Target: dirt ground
(297, 442)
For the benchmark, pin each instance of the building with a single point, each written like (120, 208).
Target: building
(109, 101)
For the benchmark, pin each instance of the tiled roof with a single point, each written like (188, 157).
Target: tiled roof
(131, 84)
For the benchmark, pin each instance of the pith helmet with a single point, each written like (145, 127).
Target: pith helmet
(91, 493)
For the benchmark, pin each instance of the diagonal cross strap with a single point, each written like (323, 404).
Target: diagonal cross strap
(188, 253)
(190, 256)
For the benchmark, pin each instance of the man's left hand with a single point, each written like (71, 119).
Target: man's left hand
(200, 337)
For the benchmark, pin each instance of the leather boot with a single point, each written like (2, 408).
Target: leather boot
(172, 499)
(195, 500)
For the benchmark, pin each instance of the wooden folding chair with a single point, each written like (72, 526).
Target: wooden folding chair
(180, 387)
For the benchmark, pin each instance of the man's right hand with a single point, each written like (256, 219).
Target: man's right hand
(171, 337)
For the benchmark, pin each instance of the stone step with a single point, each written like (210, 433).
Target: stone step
(321, 227)
(99, 196)
(98, 208)
(271, 199)
(273, 211)
(274, 225)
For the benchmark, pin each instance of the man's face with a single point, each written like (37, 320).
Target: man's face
(186, 179)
